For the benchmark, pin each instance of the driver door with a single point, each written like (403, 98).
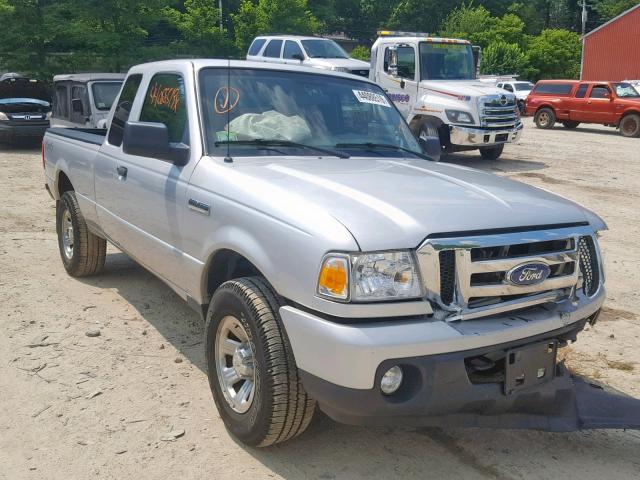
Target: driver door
(600, 107)
(399, 76)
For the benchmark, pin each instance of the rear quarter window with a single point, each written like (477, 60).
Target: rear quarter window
(255, 47)
(553, 88)
(123, 109)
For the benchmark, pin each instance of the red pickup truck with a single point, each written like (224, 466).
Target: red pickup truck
(573, 102)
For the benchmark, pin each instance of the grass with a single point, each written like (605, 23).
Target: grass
(618, 365)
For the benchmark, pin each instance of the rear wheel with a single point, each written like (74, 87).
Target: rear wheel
(570, 124)
(545, 118)
(630, 125)
(491, 153)
(82, 252)
(522, 107)
(252, 372)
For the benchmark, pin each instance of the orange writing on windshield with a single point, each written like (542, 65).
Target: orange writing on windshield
(165, 96)
(226, 99)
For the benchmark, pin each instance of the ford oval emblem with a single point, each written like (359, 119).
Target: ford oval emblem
(528, 274)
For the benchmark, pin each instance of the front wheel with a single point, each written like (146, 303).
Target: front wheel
(630, 125)
(545, 118)
(430, 141)
(83, 253)
(252, 372)
(491, 153)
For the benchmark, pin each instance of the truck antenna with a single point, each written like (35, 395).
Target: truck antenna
(228, 158)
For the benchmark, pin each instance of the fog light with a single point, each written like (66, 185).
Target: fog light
(391, 380)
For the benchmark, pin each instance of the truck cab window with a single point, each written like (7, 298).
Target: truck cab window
(582, 91)
(600, 91)
(123, 109)
(79, 92)
(407, 63)
(165, 103)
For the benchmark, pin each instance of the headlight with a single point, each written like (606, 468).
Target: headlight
(3, 116)
(458, 116)
(363, 277)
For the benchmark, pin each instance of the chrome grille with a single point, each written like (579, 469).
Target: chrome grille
(588, 266)
(498, 111)
(467, 277)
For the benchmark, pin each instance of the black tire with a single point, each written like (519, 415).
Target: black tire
(280, 408)
(429, 131)
(522, 107)
(545, 118)
(630, 125)
(570, 124)
(88, 251)
(491, 153)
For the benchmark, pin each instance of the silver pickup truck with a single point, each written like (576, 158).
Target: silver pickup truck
(333, 263)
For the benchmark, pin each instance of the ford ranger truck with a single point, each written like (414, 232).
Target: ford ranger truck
(335, 266)
(572, 102)
(433, 83)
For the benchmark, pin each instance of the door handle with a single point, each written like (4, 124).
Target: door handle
(122, 172)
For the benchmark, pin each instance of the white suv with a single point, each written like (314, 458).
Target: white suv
(521, 89)
(308, 51)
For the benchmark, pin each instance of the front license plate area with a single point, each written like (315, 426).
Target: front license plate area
(529, 366)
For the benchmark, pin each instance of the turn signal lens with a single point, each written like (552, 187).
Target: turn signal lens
(334, 278)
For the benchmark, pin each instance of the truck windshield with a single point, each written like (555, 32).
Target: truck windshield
(270, 112)
(446, 61)
(626, 90)
(323, 49)
(104, 93)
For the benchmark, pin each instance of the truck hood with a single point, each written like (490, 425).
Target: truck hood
(389, 203)
(455, 88)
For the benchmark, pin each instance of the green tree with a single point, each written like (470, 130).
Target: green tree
(361, 53)
(501, 58)
(607, 9)
(421, 15)
(269, 16)
(555, 53)
(199, 28)
(478, 26)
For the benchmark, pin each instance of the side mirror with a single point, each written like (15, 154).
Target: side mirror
(431, 147)
(297, 56)
(148, 139)
(393, 70)
(76, 106)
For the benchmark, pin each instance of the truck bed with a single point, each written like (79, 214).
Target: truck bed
(88, 135)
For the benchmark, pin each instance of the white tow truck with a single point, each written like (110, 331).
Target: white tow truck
(433, 83)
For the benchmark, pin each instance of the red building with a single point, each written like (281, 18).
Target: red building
(612, 51)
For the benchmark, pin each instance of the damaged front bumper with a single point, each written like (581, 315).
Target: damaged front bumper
(442, 390)
(456, 373)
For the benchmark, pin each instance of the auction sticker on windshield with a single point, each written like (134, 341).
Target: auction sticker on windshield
(370, 97)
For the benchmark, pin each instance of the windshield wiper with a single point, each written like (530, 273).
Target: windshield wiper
(260, 142)
(387, 146)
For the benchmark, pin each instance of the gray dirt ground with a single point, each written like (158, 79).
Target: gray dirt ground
(147, 366)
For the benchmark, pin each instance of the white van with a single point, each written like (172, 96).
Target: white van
(84, 99)
(308, 51)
